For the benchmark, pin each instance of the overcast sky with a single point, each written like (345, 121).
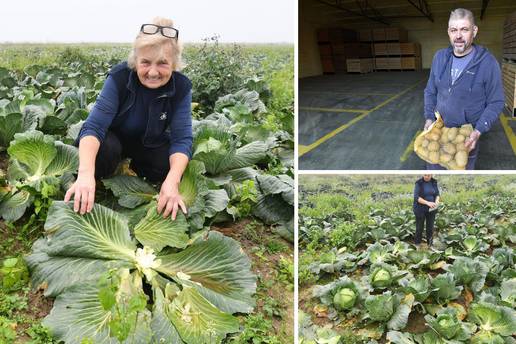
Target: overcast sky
(119, 21)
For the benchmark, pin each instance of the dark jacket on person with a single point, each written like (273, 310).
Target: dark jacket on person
(427, 193)
(476, 97)
(169, 118)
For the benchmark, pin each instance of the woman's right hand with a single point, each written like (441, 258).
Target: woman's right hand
(84, 191)
(431, 204)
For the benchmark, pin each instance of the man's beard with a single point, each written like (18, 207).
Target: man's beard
(460, 49)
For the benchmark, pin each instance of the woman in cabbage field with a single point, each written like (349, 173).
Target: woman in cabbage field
(426, 201)
(143, 112)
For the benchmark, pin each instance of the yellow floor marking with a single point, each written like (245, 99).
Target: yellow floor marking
(306, 108)
(302, 149)
(410, 148)
(509, 132)
(354, 120)
(344, 92)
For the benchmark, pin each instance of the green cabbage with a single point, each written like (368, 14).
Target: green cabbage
(344, 299)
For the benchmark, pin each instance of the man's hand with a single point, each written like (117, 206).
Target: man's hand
(431, 204)
(84, 191)
(169, 199)
(471, 141)
(428, 123)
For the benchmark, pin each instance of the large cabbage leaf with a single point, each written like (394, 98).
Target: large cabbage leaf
(218, 150)
(201, 201)
(212, 271)
(36, 158)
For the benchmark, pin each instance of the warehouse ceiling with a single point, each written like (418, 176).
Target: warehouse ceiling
(388, 11)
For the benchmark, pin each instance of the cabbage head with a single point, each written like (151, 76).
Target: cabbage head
(344, 299)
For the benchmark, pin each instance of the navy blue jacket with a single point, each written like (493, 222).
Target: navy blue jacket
(476, 97)
(169, 120)
(421, 209)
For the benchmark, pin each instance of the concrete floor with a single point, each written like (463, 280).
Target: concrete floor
(369, 121)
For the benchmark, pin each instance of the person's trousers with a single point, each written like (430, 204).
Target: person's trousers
(472, 160)
(151, 163)
(429, 218)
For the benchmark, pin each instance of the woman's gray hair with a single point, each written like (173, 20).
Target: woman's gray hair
(157, 41)
(462, 13)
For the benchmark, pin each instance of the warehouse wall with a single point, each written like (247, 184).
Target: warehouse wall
(309, 60)
(431, 36)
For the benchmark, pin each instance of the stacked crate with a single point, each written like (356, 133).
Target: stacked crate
(391, 49)
(509, 63)
(336, 46)
(364, 65)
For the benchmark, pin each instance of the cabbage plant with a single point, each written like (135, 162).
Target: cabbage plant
(343, 293)
(445, 288)
(38, 165)
(383, 275)
(390, 309)
(202, 202)
(494, 322)
(448, 326)
(420, 287)
(216, 147)
(469, 272)
(197, 283)
(473, 245)
(377, 253)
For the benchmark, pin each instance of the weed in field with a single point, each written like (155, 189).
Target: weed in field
(256, 331)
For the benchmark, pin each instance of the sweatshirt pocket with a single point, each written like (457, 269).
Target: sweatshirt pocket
(472, 114)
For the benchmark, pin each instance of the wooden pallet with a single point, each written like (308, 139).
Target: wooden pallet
(360, 65)
(398, 63)
(386, 49)
(509, 85)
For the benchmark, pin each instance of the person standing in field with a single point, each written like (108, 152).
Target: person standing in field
(465, 84)
(143, 112)
(426, 202)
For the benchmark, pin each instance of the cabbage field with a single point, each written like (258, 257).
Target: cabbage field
(362, 280)
(222, 273)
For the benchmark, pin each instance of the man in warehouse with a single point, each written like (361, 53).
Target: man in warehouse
(465, 84)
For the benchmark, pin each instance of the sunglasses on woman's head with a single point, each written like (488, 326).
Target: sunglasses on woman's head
(167, 31)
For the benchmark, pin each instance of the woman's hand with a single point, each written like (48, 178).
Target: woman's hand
(431, 204)
(84, 191)
(169, 199)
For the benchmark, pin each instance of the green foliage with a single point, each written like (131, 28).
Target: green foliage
(246, 196)
(345, 234)
(39, 335)
(215, 70)
(14, 274)
(325, 206)
(256, 331)
(7, 330)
